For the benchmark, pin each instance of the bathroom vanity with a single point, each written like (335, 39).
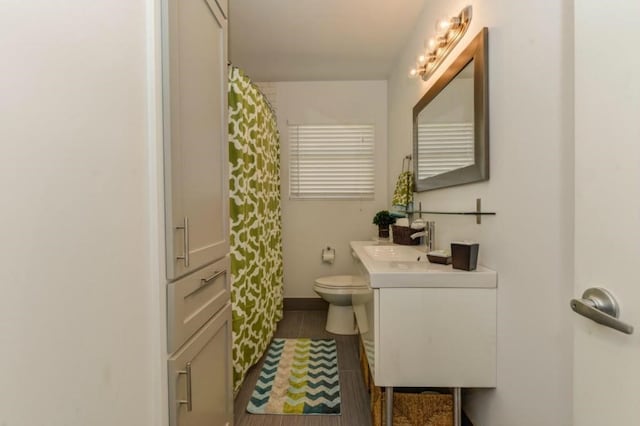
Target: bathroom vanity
(423, 324)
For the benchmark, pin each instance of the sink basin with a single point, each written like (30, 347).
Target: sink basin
(393, 253)
(396, 266)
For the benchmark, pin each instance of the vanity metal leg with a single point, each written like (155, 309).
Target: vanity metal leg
(457, 407)
(388, 405)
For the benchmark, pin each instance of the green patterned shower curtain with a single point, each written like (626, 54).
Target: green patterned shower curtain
(256, 230)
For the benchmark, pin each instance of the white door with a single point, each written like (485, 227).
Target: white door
(607, 207)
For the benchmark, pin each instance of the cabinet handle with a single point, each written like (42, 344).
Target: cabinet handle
(189, 400)
(185, 257)
(213, 276)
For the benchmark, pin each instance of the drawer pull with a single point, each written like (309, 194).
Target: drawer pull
(189, 400)
(213, 276)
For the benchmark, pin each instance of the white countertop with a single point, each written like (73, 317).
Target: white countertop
(422, 273)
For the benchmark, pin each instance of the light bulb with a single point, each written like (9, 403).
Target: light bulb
(442, 26)
(448, 33)
(432, 45)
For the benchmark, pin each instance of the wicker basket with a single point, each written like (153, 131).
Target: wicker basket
(402, 235)
(413, 409)
(409, 409)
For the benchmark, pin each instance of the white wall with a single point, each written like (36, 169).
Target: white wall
(529, 242)
(309, 225)
(80, 312)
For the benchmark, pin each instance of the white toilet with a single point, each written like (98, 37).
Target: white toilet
(337, 290)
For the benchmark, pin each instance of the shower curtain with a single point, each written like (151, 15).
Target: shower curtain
(256, 230)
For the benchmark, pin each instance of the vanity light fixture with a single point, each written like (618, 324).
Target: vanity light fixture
(449, 31)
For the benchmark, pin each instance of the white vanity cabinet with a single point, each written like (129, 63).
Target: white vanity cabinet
(427, 325)
(195, 134)
(435, 337)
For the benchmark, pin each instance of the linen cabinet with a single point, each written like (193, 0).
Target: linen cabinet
(195, 133)
(194, 76)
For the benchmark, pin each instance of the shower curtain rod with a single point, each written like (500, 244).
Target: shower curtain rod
(255, 86)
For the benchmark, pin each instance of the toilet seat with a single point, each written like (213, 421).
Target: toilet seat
(338, 291)
(341, 282)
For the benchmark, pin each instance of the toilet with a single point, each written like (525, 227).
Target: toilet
(338, 290)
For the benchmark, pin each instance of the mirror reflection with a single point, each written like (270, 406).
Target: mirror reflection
(445, 128)
(450, 123)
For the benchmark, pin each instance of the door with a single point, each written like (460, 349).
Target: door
(607, 208)
(195, 134)
(200, 388)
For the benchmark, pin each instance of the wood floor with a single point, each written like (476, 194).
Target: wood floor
(355, 399)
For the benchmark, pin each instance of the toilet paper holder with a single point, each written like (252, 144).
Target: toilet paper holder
(328, 254)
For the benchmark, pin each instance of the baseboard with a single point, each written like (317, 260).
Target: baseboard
(305, 304)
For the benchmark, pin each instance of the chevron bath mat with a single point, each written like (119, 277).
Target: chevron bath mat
(299, 376)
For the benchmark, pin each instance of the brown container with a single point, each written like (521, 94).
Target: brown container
(402, 235)
(465, 255)
(436, 258)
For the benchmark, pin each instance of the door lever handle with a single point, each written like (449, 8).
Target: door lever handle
(600, 306)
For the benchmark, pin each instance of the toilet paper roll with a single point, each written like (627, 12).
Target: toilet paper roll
(328, 255)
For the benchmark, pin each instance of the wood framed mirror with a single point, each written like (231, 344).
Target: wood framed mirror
(451, 123)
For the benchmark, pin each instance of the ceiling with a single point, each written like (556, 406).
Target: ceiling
(313, 40)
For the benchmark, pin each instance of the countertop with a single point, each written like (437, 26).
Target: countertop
(418, 273)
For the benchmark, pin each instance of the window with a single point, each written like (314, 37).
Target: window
(331, 162)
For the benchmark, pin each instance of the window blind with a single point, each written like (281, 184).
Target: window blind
(444, 147)
(331, 161)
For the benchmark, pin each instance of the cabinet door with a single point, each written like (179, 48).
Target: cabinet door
(200, 388)
(440, 337)
(195, 134)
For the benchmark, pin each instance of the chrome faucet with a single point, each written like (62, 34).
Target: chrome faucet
(429, 234)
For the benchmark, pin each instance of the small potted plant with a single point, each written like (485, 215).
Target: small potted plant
(383, 219)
